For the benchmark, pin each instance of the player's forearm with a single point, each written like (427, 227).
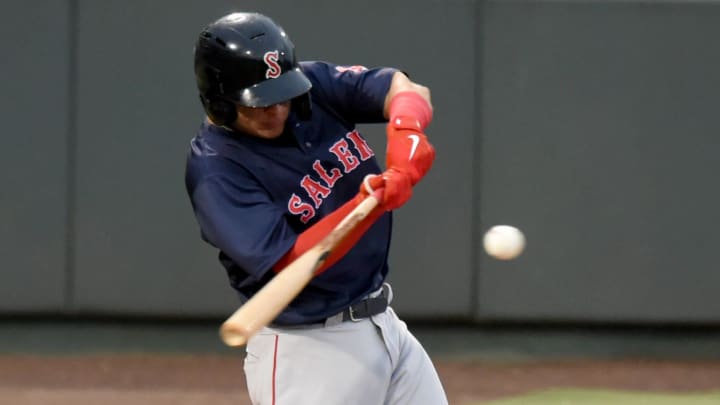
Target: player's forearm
(409, 154)
(401, 83)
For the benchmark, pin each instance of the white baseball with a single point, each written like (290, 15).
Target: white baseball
(504, 242)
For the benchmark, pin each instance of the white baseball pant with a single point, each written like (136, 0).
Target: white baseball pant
(373, 361)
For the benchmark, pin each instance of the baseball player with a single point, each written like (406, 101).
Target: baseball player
(275, 166)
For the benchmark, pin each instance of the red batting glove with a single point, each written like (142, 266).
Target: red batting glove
(370, 183)
(397, 185)
(398, 189)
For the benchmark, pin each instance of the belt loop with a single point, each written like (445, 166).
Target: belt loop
(387, 292)
(334, 320)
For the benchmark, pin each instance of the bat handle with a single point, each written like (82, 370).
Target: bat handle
(378, 194)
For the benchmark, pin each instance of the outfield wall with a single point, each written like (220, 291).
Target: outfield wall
(589, 124)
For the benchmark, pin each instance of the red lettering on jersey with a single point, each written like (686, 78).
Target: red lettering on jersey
(360, 144)
(273, 71)
(329, 178)
(355, 68)
(349, 161)
(315, 190)
(319, 192)
(296, 206)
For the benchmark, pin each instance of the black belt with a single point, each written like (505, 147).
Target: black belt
(362, 310)
(366, 308)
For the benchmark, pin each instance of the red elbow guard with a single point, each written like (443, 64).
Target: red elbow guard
(409, 104)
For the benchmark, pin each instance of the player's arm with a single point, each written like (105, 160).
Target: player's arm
(409, 154)
(401, 83)
(236, 215)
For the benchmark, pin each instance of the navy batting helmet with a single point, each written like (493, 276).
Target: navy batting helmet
(247, 59)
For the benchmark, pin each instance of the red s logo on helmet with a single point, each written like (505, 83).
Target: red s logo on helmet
(270, 58)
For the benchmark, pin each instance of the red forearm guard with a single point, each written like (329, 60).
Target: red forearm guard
(409, 154)
(408, 149)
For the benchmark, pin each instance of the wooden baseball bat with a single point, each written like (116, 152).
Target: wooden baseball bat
(267, 303)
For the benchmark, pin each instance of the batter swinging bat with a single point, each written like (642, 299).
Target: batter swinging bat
(267, 303)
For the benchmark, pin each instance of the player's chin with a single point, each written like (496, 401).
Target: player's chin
(269, 134)
(270, 131)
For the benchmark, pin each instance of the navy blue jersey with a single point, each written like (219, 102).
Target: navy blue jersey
(252, 197)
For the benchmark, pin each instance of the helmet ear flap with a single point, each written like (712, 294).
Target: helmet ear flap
(221, 112)
(302, 106)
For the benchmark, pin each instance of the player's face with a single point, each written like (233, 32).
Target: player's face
(264, 122)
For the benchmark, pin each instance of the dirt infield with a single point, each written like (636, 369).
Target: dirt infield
(218, 380)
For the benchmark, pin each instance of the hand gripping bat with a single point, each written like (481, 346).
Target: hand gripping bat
(267, 303)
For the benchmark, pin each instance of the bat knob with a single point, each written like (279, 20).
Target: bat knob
(233, 336)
